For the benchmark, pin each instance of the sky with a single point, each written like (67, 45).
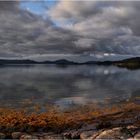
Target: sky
(52, 29)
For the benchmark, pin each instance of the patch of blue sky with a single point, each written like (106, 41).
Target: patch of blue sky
(37, 7)
(64, 23)
(41, 7)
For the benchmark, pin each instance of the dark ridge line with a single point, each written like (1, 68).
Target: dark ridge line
(128, 63)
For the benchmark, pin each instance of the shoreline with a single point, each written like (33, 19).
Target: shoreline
(79, 122)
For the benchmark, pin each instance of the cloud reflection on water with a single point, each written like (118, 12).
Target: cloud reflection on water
(66, 85)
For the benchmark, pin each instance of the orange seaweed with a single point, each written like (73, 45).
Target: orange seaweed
(54, 120)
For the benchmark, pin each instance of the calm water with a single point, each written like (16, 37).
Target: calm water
(66, 86)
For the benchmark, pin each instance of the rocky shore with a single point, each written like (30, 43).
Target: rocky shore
(117, 122)
(129, 132)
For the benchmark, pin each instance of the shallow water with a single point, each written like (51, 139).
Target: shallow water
(68, 85)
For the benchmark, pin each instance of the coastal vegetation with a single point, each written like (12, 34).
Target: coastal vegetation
(74, 120)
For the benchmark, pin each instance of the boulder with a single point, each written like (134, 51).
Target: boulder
(115, 133)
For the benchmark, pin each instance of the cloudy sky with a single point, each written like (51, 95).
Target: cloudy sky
(64, 28)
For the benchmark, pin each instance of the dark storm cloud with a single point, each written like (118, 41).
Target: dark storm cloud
(99, 27)
(24, 33)
(103, 26)
(8, 5)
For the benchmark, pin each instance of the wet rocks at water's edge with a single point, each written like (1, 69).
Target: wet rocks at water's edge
(129, 132)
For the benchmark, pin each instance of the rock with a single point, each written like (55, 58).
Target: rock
(133, 129)
(26, 136)
(67, 135)
(137, 136)
(73, 134)
(16, 135)
(115, 133)
(2, 136)
(86, 134)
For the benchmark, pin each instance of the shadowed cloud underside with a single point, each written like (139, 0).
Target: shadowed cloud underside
(38, 28)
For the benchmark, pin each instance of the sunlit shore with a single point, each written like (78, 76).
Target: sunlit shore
(70, 123)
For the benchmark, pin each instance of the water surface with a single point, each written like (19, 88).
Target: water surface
(68, 85)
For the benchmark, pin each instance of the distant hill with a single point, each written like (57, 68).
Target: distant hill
(61, 61)
(131, 60)
(18, 62)
(9, 61)
(130, 63)
(128, 60)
